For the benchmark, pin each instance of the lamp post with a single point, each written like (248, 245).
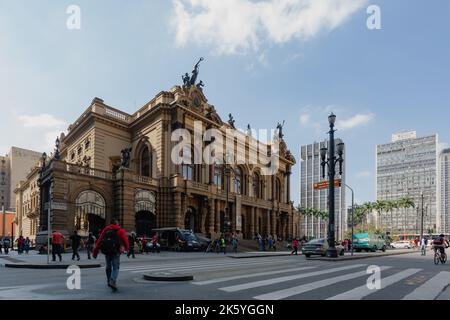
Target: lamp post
(4, 221)
(228, 169)
(331, 164)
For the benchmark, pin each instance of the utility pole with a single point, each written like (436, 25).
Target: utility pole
(421, 221)
(4, 221)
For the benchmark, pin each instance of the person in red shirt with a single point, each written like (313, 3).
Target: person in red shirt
(57, 245)
(155, 243)
(294, 247)
(111, 242)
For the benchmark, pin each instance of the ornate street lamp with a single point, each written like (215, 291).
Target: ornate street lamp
(330, 163)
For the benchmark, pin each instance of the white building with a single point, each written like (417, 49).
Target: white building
(407, 167)
(311, 173)
(444, 192)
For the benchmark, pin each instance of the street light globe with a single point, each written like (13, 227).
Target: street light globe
(340, 148)
(323, 152)
(332, 118)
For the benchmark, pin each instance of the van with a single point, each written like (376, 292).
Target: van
(368, 242)
(167, 238)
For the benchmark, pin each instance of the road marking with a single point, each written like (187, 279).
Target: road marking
(195, 266)
(283, 294)
(430, 289)
(363, 291)
(268, 282)
(252, 275)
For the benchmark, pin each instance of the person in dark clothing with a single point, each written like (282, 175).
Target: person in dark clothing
(131, 241)
(76, 240)
(90, 243)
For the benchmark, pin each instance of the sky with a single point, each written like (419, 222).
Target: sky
(265, 61)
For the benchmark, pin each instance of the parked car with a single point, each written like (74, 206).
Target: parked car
(319, 247)
(401, 245)
(369, 242)
(168, 239)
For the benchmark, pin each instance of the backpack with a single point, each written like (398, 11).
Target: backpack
(110, 243)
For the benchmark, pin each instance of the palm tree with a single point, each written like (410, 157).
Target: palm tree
(406, 203)
(380, 206)
(368, 208)
(389, 208)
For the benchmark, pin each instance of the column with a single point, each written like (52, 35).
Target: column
(252, 222)
(274, 222)
(217, 216)
(268, 224)
(212, 216)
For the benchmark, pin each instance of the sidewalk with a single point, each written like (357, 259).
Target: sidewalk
(39, 261)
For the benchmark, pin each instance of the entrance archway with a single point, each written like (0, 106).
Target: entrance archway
(145, 212)
(145, 223)
(90, 213)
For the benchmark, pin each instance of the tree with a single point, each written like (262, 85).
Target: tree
(406, 203)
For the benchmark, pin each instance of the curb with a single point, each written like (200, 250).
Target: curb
(49, 266)
(260, 256)
(349, 258)
(166, 276)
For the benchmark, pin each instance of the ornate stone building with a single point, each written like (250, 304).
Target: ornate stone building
(113, 164)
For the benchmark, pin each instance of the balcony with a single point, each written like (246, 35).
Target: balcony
(145, 180)
(86, 171)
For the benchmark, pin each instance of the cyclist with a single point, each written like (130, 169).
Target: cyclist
(441, 243)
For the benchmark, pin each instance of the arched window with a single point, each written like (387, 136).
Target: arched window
(188, 167)
(256, 186)
(238, 181)
(146, 162)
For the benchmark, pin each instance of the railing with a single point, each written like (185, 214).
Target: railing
(116, 114)
(145, 180)
(73, 168)
(197, 185)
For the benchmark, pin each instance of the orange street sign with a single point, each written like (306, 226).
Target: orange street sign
(324, 184)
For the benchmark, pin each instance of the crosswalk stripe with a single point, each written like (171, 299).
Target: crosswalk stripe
(363, 291)
(252, 275)
(268, 282)
(233, 262)
(209, 266)
(431, 289)
(286, 293)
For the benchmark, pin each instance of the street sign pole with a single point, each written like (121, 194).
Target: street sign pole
(48, 227)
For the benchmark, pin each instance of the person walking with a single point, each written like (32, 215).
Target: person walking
(27, 245)
(1, 246)
(234, 244)
(223, 246)
(111, 241)
(131, 243)
(20, 245)
(90, 243)
(155, 243)
(75, 241)
(57, 245)
(6, 244)
(423, 247)
(294, 247)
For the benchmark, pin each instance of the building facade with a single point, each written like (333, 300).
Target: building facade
(7, 224)
(407, 167)
(310, 174)
(13, 168)
(115, 165)
(444, 192)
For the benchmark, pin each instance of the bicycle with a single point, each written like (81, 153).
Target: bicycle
(439, 257)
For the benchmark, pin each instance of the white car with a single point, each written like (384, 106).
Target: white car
(401, 245)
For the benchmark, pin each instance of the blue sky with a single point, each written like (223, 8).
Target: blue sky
(262, 65)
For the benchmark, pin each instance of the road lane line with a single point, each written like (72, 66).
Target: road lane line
(430, 289)
(363, 291)
(286, 293)
(268, 282)
(252, 275)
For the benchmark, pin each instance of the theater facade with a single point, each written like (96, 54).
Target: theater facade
(112, 164)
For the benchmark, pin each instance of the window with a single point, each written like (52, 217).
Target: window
(238, 181)
(146, 162)
(278, 190)
(72, 156)
(188, 168)
(87, 144)
(218, 175)
(256, 186)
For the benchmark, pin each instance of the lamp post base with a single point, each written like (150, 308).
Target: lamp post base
(332, 252)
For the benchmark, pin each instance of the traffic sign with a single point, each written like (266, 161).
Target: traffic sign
(324, 184)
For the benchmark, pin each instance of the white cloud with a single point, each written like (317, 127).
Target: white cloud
(305, 118)
(363, 174)
(355, 121)
(41, 121)
(239, 26)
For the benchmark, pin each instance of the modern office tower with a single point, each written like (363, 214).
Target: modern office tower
(311, 173)
(444, 192)
(407, 167)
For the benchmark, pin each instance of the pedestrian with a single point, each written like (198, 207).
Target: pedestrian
(234, 244)
(155, 243)
(90, 243)
(144, 245)
(20, 245)
(1, 246)
(6, 244)
(27, 245)
(294, 247)
(423, 247)
(270, 242)
(57, 245)
(75, 241)
(223, 246)
(131, 242)
(110, 243)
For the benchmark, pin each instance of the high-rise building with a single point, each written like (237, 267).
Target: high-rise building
(444, 192)
(14, 167)
(310, 174)
(407, 168)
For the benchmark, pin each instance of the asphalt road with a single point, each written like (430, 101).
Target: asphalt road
(217, 277)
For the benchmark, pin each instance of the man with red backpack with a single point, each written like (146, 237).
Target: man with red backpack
(111, 241)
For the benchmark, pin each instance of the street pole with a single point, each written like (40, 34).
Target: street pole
(421, 223)
(48, 226)
(4, 221)
(332, 252)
